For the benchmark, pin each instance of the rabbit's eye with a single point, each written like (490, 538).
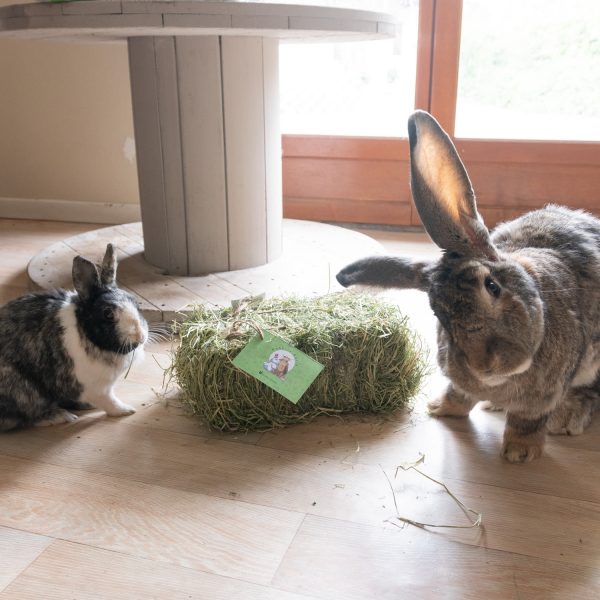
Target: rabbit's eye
(108, 314)
(492, 287)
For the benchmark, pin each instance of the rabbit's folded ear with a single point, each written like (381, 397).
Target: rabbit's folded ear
(86, 278)
(442, 191)
(108, 272)
(387, 272)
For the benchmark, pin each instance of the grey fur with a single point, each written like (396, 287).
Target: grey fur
(108, 271)
(37, 381)
(519, 314)
(36, 373)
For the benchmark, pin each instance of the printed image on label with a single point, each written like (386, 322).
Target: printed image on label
(279, 365)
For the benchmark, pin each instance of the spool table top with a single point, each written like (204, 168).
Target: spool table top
(119, 19)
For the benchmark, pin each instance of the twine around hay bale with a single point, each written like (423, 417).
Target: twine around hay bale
(373, 362)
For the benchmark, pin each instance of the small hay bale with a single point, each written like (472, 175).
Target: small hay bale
(373, 362)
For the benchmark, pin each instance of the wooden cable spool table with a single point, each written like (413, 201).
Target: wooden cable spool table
(205, 95)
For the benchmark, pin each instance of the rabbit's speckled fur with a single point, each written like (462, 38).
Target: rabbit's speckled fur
(62, 351)
(518, 310)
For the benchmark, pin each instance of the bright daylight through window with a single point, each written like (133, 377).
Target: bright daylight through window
(352, 88)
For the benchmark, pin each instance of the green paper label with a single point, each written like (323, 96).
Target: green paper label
(278, 365)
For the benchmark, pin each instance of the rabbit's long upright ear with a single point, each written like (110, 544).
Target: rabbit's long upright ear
(86, 278)
(108, 272)
(442, 190)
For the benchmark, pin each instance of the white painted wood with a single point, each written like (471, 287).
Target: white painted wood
(243, 109)
(92, 7)
(110, 20)
(68, 210)
(203, 153)
(170, 137)
(260, 22)
(206, 116)
(146, 120)
(13, 10)
(387, 28)
(96, 25)
(273, 150)
(200, 21)
(312, 255)
(237, 8)
(331, 24)
(41, 10)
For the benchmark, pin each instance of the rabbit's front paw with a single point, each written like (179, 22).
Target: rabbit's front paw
(119, 409)
(450, 404)
(490, 406)
(522, 448)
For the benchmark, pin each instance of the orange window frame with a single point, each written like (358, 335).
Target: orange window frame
(365, 180)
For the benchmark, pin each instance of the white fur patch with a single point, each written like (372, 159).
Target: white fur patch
(492, 380)
(129, 325)
(588, 369)
(524, 366)
(496, 380)
(96, 376)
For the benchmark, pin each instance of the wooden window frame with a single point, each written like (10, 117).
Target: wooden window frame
(365, 180)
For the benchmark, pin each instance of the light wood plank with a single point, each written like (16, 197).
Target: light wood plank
(338, 559)
(59, 25)
(243, 108)
(260, 21)
(305, 484)
(67, 570)
(218, 23)
(51, 268)
(332, 24)
(213, 289)
(193, 530)
(170, 136)
(203, 148)
(273, 176)
(156, 411)
(10, 292)
(184, 7)
(144, 93)
(93, 7)
(455, 448)
(18, 549)
(41, 10)
(313, 253)
(140, 497)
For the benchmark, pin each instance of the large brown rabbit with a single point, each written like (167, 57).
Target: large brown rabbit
(518, 310)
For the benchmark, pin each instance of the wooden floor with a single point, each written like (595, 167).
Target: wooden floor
(155, 506)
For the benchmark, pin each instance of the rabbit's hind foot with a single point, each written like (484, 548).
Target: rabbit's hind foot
(57, 418)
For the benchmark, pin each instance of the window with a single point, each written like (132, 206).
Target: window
(352, 88)
(516, 83)
(529, 70)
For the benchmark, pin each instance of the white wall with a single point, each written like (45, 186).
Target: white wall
(66, 130)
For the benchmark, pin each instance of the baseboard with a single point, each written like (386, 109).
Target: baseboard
(69, 210)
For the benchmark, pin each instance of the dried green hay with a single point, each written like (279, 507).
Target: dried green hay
(373, 362)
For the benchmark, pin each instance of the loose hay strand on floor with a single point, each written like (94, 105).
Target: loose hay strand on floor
(373, 362)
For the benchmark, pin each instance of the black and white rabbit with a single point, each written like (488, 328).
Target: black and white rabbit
(518, 309)
(64, 350)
